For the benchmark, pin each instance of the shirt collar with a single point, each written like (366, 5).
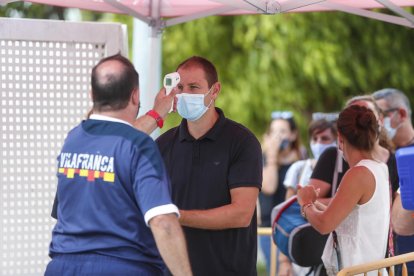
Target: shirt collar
(211, 134)
(108, 118)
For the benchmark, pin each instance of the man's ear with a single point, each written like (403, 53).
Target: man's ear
(135, 96)
(216, 90)
(403, 114)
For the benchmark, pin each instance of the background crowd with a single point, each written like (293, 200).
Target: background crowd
(359, 217)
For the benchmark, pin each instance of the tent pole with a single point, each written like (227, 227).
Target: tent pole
(397, 10)
(147, 60)
(369, 14)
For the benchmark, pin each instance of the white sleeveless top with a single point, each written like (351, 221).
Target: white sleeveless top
(363, 235)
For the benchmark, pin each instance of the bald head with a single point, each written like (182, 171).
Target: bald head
(113, 80)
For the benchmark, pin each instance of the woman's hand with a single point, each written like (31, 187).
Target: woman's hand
(271, 144)
(285, 268)
(307, 195)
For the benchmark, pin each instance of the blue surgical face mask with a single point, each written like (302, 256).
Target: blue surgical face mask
(319, 148)
(191, 106)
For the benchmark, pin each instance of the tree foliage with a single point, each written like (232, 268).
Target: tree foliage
(28, 10)
(300, 62)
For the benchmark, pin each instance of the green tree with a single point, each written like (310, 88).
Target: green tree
(29, 10)
(300, 62)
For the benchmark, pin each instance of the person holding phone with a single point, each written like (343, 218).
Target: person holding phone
(281, 148)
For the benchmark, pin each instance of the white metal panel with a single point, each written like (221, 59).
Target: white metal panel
(44, 91)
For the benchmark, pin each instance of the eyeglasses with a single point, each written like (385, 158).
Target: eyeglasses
(330, 117)
(282, 115)
(389, 110)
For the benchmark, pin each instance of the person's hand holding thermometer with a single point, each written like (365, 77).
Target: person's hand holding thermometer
(170, 81)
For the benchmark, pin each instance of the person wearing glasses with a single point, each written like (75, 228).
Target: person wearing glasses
(281, 148)
(397, 121)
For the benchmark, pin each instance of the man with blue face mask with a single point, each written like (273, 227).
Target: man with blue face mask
(397, 121)
(215, 165)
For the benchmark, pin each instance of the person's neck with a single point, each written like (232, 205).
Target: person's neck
(120, 115)
(404, 136)
(200, 127)
(357, 156)
(380, 153)
(288, 156)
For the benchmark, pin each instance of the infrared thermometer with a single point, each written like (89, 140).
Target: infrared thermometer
(170, 81)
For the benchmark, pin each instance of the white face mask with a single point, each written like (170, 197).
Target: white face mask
(191, 106)
(390, 130)
(319, 148)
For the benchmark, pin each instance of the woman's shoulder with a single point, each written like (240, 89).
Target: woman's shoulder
(370, 163)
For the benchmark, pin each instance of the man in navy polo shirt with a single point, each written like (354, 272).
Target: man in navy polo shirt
(215, 165)
(115, 207)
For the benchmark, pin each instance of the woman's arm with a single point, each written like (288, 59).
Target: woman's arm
(270, 168)
(357, 187)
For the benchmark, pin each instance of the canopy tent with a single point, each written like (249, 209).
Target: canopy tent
(152, 16)
(179, 11)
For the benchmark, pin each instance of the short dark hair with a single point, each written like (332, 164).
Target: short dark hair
(318, 126)
(394, 98)
(206, 65)
(113, 91)
(359, 126)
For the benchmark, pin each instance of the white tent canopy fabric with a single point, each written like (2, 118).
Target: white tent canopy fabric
(178, 11)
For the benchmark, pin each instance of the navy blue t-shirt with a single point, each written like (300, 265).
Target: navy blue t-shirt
(109, 176)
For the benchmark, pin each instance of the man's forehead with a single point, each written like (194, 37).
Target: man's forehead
(192, 74)
(383, 104)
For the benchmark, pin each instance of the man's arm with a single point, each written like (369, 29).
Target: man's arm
(162, 106)
(237, 214)
(402, 220)
(171, 243)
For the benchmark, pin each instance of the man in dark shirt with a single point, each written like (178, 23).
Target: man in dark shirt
(397, 122)
(215, 165)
